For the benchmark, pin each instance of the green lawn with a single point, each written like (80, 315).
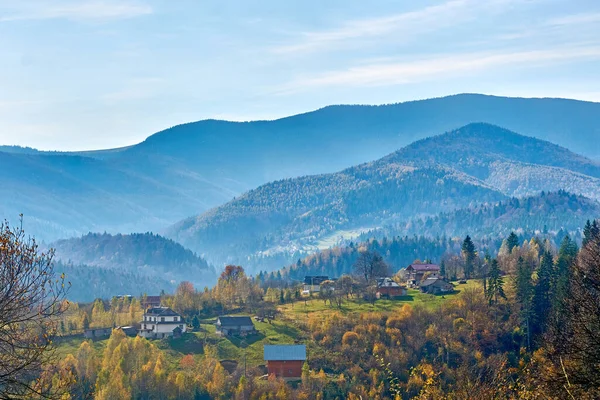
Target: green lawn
(233, 348)
(70, 345)
(301, 311)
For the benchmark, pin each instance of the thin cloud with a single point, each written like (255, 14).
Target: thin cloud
(445, 66)
(75, 10)
(403, 25)
(575, 19)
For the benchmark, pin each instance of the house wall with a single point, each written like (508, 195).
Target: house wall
(149, 318)
(285, 369)
(168, 328)
(313, 288)
(392, 291)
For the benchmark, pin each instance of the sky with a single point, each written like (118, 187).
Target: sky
(92, 74)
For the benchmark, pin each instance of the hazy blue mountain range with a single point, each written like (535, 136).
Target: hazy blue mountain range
(191, 168)
(478, 163)
(143, 254)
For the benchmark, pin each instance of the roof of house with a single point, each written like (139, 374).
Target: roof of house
(434, 281)
(235, 321)
(152, 299)
(161, 311)
(285, 352)
(424, 267)
(386, 282)
(315, 280)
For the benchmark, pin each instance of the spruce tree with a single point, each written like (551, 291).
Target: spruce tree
(566, 257)
(587, 232)
(469, 255)
(512, 241)
(523, 295)
(443, 269)
(495, 284)
(590, 231)
(542, 295)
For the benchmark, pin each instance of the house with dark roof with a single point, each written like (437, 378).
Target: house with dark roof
(97, 333)
(387, 287)
(436, 285)
(234, 325)
(160, 322)
(313, 283)
(285, 361)
(150, 301)
(414, 273)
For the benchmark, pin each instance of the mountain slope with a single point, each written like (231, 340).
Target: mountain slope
(444, 173)
(190, 168)
(145, 254)
(545, 212)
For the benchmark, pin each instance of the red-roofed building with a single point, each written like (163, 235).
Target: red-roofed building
(415, 272)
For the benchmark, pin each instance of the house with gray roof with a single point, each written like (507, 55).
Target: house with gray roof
(234, 325)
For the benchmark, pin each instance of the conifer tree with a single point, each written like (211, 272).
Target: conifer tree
(469, 254)
(495, 284)
(512, 241)
(566, 257)
(542, 294)
(523, 293)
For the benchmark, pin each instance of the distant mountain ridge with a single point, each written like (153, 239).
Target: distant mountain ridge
(477, 163)
(190, 168)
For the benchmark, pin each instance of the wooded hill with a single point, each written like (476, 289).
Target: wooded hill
(476, 164)
(107, 260)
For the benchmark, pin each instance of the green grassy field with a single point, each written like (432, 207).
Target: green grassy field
(301, 309)
(283, 330)
(234, 348)
(70, 345)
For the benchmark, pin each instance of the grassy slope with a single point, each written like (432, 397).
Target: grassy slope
(285, 330)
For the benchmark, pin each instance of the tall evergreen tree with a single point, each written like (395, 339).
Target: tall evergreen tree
(542, 295)
(443, 269)
(512, 241)
(469, 255)
(495, 284)
(590, 231)
(523, 295)
(587, 232)
(566, 257)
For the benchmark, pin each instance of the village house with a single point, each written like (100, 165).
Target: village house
(414, 273)
(150, 301)
(436, 285)
(313, 283)
(285, 361)
(97, 333)
(387, 287)
(160, 322)
(128, 330)
(241, 325)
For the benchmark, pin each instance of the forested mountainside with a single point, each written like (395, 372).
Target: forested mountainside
(87, 282)
(295, 214)
(544, 213)
(137, 254)
(187, 169)
(479, 163)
